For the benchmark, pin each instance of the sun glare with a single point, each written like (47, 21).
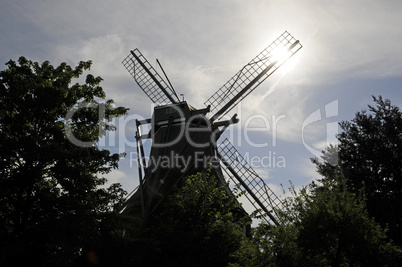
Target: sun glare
(280, 54)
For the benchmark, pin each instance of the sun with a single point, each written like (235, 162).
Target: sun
(280, 54)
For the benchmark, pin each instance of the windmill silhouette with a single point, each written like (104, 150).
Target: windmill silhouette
(185, 139)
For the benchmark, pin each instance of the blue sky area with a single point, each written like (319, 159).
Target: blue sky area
(352, 50)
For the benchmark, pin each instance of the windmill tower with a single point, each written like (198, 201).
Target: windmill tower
(186, 140)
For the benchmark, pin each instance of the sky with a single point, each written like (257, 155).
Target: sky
(351, 51)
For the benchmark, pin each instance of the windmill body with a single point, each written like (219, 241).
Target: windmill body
(185, 140)
(182, 144)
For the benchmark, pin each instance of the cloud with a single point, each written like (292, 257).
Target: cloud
(105, 51)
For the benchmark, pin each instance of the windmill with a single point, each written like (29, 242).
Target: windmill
(186, 140)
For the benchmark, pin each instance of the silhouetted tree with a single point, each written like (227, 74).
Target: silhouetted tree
(51, 202)
(370, 159)
(324, 225)
(197, 225)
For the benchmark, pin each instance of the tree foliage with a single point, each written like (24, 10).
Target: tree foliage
(337, 230)
(370, 159)
(51, 202)
(324, 225)
(199, 224)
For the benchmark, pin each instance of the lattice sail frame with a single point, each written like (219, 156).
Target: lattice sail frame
(148, 79)
(249, 74)
(260, 193)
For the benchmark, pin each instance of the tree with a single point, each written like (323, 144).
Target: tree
(51, 202)
(197, 225)
(336, 230)
(325, 225)
(370, 159)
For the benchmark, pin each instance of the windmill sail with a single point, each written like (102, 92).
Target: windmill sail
(253, 74)
(149, 80)
(257, 191)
